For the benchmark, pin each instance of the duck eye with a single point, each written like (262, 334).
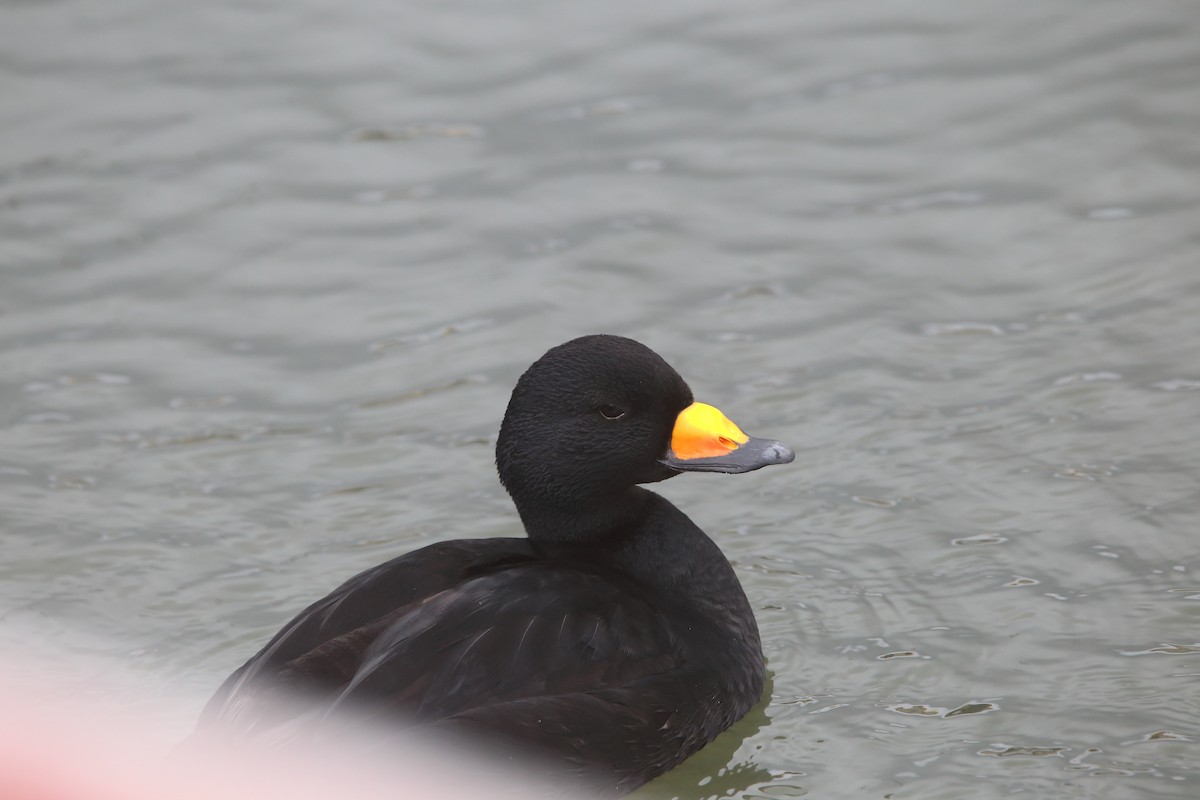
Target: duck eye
(611, 412)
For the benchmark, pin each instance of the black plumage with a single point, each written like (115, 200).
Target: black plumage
(615, 639)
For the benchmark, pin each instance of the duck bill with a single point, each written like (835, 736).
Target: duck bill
(705, 440)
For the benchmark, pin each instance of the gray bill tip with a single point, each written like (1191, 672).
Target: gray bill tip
(750, 455)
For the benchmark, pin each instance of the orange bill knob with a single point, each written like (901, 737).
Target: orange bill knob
(705, 440)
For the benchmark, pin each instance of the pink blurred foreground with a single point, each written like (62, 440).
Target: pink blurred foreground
(56, 748)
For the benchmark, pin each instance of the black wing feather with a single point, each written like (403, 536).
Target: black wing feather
(519, 633)
(461, 628)
(321, 649)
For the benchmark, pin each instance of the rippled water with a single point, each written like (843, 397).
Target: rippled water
(270, 269)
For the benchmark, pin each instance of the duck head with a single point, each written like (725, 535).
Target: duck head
(595, 416)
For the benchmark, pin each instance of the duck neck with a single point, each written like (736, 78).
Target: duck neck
(642, 535)
(584, 523)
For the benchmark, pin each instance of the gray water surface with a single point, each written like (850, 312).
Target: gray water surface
(269, 270)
